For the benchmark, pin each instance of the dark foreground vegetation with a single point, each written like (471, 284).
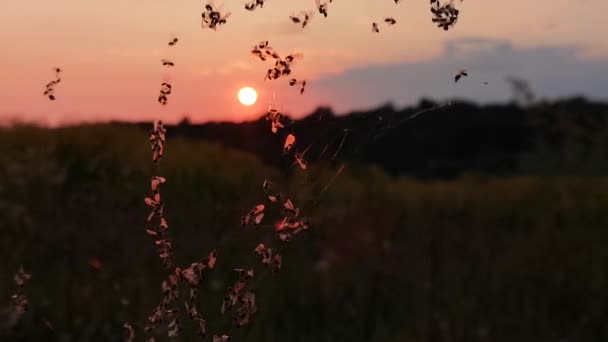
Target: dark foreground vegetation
(502, 237)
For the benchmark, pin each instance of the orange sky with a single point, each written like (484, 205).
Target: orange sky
(110, 51)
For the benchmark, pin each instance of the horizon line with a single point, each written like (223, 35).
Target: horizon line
(15, 120)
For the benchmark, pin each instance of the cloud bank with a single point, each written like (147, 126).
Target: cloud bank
(551, 71)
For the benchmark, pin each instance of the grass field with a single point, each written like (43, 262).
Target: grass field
(476, 259)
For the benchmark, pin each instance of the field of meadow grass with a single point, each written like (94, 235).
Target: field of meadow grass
(386, 259)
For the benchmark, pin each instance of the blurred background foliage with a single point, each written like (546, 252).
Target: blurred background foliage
(478, 257)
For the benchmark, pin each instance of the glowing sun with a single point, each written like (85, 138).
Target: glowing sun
(247, 96)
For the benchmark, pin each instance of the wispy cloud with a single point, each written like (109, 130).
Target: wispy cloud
(230, 67)
(130, 52)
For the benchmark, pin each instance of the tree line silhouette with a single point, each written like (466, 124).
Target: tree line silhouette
(443, 143)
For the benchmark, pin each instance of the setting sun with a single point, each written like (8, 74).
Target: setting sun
(247, 96)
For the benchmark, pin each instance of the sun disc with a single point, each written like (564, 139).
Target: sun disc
(247, 96)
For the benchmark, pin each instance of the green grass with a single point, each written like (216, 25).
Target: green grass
(520, 258)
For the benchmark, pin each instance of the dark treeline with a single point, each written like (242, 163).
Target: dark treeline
(440, 142)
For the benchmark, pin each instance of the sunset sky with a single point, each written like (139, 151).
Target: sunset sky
(110, 52)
